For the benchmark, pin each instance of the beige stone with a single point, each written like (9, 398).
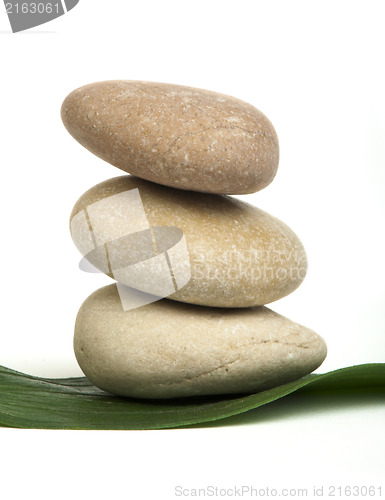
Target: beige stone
(168, 349)
(178, 136)
(239, 256)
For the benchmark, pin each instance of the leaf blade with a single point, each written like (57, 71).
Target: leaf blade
(39, 403)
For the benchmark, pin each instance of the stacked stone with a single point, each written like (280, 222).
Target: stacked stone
(194, 266)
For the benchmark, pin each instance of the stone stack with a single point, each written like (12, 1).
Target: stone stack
(194, 266)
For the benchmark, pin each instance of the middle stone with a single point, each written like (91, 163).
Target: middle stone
(203, 249)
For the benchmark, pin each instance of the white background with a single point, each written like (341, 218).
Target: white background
(316, 69)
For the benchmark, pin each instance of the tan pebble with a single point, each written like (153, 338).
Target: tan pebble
(238, 255)
(168, 349)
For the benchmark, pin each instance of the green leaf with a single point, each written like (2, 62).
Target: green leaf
(74, 403)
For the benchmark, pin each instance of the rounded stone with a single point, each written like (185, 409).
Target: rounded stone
(237, 254)
(178, 136)
(167, 349)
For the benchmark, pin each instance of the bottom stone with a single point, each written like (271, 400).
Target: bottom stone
(169, 349)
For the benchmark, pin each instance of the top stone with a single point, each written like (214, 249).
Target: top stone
(178, 136)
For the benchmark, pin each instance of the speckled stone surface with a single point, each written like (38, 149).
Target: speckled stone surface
(239, 255)
(177, 136)
(168, 349)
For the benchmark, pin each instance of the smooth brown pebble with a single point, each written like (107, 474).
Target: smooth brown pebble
(178, 136)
